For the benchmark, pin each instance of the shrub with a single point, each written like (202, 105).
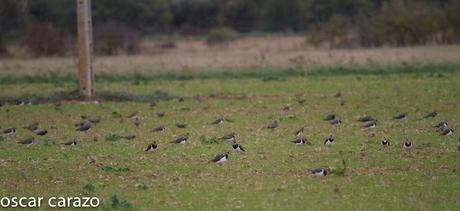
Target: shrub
(221, 36)
(116, 38)
(43, 39)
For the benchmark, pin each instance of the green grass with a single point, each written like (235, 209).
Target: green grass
(273, 173)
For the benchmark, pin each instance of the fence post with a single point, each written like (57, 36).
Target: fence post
(85, 48)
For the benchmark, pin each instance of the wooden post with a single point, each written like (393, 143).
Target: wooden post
(85, 48)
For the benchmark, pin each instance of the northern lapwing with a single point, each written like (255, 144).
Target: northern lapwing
(321, 172)
(385, 143)
(27, 141)
(329, 117)
(300, 141)
(229, 137)
(160, 114)
(442, 126)
(329, 140)
(220, 159)
(40, 132)
(407, 145)
(160, 129)
(273, 125)
(130, 136)
(447, 132)
(431, 115)
(401, 116)
(336, 123)
(136, 121)
(85, 127)
(133, 115)
(151, 147)
(71, 143)
(299, 132)
(181, 140)
(9, 131)
(369, 125)
(218, 121)
(366, 119)
(32, 126)
(95, 119)
(238, 147)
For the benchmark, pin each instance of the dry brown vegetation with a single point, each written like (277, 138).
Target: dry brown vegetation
(249, 53)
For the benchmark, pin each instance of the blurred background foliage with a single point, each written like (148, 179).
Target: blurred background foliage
(43, 25)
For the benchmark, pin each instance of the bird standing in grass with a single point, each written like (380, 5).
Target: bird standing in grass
(32, 126)
(238, 147)
(321, 172)
(95, 119)
(133, 115)
(9, 131)
(181, 140)
(407, 145)
(447, 132)
(336, 123)
(136, 121)
(27, 141)
(85, 127)
(385, 143)
(160, 129)
(431, 115)
(71, 143)
(229, 137)
(130, 136)
(220, 159)
(329, 117)
(366, 119)
(369, 125)
(40, 132)
(218, 121)
(329, 140)
(401, 116)
(300, 141)
(151, 147)
(273, 125)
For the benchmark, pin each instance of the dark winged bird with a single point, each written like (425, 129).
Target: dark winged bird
(238, 147)
(9, 131)
(370, 124)
(366, 119)
(385, 142)
(220, 159)
(130, 136)
(329, 117)
(41, 132)
(329, 140)
(273, 125)
(181, 99)
(95, 119)
(447, 132)
(218, 121)
(299, 132)
(300, 141)
(160, 129)
(136, 121)
(336, 123)
(181, 140)
(401, 116)
(229, 137)
(84, 128)
(431, 115)
(151, 147)
(133, 115)
(71, 143)
(321, 172)
(27, 141)
(442, 125)
(407, 145)
(32, 126)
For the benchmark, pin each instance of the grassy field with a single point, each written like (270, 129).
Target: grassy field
(274, 173)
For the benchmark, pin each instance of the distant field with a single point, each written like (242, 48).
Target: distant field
(246, 54)
(273, 173)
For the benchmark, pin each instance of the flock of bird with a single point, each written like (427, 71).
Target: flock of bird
(368, 122)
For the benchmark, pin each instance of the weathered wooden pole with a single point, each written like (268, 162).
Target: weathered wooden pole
(85, 48)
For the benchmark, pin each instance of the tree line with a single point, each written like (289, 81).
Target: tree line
(336, 23)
